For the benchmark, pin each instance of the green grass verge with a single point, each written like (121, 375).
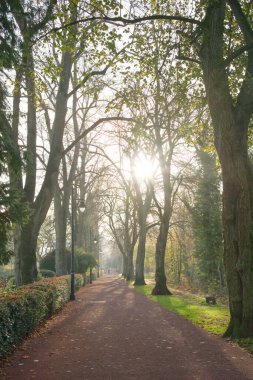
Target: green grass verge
(213, 318)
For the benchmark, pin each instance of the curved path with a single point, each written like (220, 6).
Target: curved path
(112, 333)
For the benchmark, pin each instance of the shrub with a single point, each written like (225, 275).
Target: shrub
(47, 273)
(6, 273)
(48, 261)
(24, 308)
(3, 282)
(82, 261)
(11, 283)
(85, 261)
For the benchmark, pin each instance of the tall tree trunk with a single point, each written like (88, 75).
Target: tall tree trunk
(26, 261)
(30, 154)
(238, 238)
(62, 198)
(60, 213)
(140, 258)
(129, 240)
(130, 265)
(124, 271)
(143, 207)
(160, 277)
(26, 269)
(231, 120)
(45, 196)
(165, 213)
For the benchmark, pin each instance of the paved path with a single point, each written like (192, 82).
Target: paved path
(112, 333)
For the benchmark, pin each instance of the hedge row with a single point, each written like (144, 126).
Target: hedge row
(23, 309)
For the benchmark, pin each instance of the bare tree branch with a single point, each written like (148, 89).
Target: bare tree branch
(124, 21)
(93, 126)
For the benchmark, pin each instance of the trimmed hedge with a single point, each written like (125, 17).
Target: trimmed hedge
(23, 309)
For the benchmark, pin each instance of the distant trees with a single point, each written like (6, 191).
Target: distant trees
(122, 221)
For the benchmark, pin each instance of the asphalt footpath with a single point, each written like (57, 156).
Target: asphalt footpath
(110, 332)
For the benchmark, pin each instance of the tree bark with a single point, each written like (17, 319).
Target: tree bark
(160, 277)
(129, 251)
(143, 207)
(26, 261)
(130, 266)
(124, 271)
(26, 239)
(165, 213)
(231, 121)
(140, 258)
(60, 212)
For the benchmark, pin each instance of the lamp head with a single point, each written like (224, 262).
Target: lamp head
(82, 206)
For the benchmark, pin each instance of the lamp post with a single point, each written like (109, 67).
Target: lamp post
(98, 262)
(95, 242)
(101, 262)
(73, 211)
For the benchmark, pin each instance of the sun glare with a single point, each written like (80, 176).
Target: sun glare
(143, 167)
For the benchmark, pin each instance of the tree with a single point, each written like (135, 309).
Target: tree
(162, 120)
(70, 173)
(207, 224)
(143, 201)
(12, 208)
(31, 25)
(27, 236)
(121, 213)
(227, 74)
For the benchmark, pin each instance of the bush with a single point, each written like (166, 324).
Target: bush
(85, 261)
(11, 283)
(48, 261)
(23, 309)
(3, 282)
(47, 273)
(6, 273)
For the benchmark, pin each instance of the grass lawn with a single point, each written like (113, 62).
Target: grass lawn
(213, 318)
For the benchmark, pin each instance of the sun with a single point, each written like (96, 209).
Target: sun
(143, 167)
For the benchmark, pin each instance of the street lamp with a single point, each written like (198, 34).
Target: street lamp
(73, 211)
(82, 205)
